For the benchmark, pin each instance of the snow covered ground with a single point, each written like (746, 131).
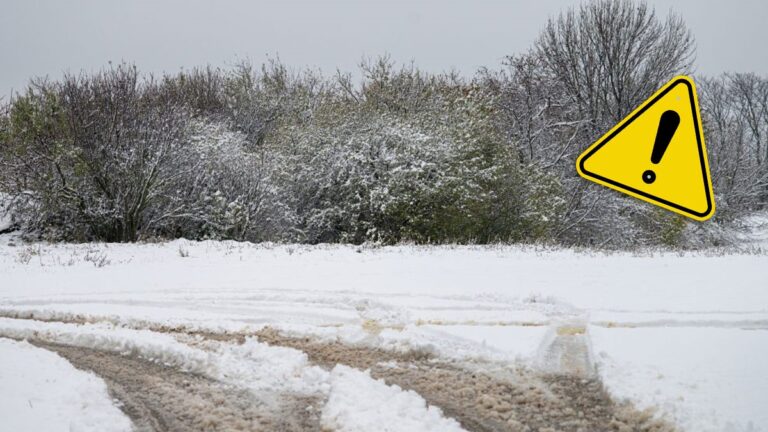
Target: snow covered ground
(357, 403)
(686, 333)
(40, 391)
(707, 378)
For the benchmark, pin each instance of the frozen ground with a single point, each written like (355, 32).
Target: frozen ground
(684, 334)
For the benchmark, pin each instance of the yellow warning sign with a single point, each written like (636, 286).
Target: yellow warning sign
(657, 153)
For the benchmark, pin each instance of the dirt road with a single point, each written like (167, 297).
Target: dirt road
(481, 397)
(161, 398)
(488, 399)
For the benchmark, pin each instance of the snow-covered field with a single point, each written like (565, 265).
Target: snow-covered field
(686, 333)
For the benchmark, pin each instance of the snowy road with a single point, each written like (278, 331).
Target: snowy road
(162, 398)
(452, 338)
(227, 382)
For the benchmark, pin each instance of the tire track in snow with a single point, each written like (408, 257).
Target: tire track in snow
(566, 351)
(483, 400)
(160, 398)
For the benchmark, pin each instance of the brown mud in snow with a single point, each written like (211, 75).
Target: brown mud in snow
(510, 400)
(159, 398)
(482, 397)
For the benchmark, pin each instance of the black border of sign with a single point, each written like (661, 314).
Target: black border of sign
(633, 118)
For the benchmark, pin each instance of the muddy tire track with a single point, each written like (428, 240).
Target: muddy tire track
(514, 401)
(566, 351)
(159, 398)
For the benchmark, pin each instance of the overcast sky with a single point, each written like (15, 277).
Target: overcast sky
(39, 38)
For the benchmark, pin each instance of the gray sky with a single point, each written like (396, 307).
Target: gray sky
(48, 37)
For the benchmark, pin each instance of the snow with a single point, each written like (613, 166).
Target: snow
(754, 230)
(409, 276)
(746, 319)
(260, 367)
(254, 365)
(360, 404)
(706, 379)
(40, 391)
(501, 344)
(683, 316)
(5, 220)
(5, 216)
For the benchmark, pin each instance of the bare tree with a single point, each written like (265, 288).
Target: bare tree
(736, 126)
(750, 94)
(612, 54)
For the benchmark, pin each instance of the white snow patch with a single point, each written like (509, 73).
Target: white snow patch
(262, 367)
(252, 365)
(704, 379)
(358, 403)
(408, 277)
(755, 230)
(5, 216)
(155, 347)
(502, 344)
(40, 391)
(520, 342)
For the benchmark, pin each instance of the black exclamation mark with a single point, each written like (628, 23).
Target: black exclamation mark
(667, 127)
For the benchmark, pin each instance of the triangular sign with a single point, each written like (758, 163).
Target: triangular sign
(657, 153)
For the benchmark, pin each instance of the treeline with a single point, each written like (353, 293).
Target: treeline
(269, 154)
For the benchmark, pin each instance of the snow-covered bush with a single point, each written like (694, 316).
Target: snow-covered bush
(89, 154)
(270, 154)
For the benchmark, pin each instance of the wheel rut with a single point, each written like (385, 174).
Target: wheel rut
(160, 398)
(482, 400)
(482, 397)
